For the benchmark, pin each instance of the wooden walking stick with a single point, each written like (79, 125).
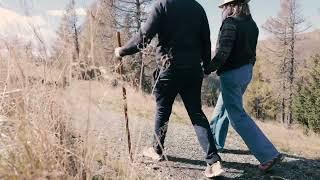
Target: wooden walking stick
(125, 103)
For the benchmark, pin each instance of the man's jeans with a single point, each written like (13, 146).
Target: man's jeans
(187, 83)
(229, 108)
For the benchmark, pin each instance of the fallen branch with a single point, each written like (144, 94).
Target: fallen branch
(10, 92)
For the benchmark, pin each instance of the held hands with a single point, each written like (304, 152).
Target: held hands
(211, 67)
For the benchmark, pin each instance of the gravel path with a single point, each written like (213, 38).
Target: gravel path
(183, 150)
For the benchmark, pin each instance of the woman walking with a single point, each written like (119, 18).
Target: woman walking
(234, 61)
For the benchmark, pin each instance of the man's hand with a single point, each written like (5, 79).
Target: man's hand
(117, 53)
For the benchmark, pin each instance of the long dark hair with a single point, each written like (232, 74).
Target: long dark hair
(234, 9)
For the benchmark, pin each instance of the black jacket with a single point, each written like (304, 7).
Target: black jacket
(183, 33)
(236, 44)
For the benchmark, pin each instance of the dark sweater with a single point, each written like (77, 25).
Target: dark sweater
(236, 44)
(183, 33)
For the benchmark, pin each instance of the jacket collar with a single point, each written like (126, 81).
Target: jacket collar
(243, 17)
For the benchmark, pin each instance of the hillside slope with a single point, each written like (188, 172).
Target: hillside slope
(307, 45)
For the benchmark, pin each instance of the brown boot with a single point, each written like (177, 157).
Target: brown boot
(265, 167)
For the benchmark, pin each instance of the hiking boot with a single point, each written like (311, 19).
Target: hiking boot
(214, 170)
(265, 167)
(151, 153)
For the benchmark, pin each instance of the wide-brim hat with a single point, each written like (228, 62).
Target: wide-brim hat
(229, 1)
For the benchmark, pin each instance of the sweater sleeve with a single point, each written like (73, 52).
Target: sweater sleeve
(146, 33)
(206, 42)
(225, 44)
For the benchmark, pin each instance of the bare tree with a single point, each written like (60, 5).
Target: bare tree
(66, 49)
(97, 36)
(285, 29)
(131, 15)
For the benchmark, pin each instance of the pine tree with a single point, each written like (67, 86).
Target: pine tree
(306, 104)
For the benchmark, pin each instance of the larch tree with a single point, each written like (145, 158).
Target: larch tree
(285, 29)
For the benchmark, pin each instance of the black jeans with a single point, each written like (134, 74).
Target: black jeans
(187, 83)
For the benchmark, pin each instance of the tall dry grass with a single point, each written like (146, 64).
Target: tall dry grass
(38, 139)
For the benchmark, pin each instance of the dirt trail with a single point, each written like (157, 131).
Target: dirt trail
(182, 148)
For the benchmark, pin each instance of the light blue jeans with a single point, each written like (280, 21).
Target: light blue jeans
(229, 108)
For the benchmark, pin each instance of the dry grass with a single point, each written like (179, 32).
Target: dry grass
(140, 104)
(37, 135)
(37, 138)
(37, 143)
(293, 140)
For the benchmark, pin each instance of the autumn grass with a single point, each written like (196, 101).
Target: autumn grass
(293, 140)
(38, 139)
(140, 104)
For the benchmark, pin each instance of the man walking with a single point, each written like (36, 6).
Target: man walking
(183, 44)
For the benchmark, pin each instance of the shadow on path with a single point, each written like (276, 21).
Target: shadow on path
(293, 167)
(187, 161)
(236, 151)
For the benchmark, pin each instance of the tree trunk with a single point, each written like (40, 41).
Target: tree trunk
(291, 70)
(283, 109)
(140, 60)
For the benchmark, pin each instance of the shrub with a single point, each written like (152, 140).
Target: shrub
(306, 105)
(260, 101)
